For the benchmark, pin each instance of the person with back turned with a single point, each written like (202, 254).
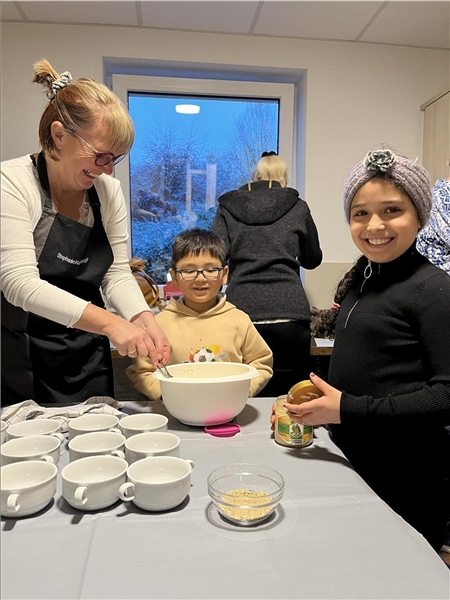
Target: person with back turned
(269, 234)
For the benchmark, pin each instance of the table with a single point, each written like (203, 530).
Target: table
(321, 347)
(331, 536)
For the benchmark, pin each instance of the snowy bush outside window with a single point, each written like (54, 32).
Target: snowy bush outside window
(181, 163)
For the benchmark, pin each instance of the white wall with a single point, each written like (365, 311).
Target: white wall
(357, 95)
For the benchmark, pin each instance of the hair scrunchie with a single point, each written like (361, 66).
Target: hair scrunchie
(60, 83)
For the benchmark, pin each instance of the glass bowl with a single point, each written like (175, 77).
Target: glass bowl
(245, 494)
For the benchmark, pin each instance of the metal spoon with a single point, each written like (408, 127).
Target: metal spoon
(162, 367)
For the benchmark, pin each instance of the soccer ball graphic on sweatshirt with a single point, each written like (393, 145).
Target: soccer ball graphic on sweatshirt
(204, 355)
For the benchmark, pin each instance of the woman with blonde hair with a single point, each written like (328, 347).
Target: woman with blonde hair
(271, 167)
(64, 244)
(269, 234)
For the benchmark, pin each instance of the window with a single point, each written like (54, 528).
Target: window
(182, 162)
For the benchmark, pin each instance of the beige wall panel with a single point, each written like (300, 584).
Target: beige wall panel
(436, 138)
(356, 95)
(320, 284)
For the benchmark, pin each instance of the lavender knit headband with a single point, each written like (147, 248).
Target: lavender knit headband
(408, 174)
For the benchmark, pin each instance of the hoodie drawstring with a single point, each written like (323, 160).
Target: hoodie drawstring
(249, 185)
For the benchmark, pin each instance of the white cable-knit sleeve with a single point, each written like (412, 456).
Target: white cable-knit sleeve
(20, 282)
(119, 286)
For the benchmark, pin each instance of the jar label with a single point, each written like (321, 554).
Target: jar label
(292, 433)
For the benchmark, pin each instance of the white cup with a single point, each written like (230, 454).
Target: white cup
(96, 443)
(31, 447)
(157, 483)
(153, 443)
(4, 427)
(93, 482)
(92, 422)
(27, 487)
(35, 427)
(142, 423)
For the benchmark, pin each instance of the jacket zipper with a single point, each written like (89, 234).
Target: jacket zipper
(367, 274)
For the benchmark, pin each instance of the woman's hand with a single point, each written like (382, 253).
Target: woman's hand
(129, 339)
(325, 409)
(157, 345)
(141, 338)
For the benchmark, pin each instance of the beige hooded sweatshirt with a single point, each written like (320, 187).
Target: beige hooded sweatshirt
(223, 333)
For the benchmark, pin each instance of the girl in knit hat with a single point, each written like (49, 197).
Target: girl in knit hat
(387, 399)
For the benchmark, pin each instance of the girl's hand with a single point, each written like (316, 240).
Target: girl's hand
(325, 409)
(272, 417)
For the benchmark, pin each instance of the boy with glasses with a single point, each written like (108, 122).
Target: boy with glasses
(201, 325)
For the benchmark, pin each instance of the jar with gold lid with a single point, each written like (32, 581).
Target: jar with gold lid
(288, 432)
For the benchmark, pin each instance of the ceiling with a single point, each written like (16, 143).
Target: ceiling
(423, 24)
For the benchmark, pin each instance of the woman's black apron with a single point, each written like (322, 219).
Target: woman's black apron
(41, 359)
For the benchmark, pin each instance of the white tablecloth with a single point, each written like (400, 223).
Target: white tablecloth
(331, 536)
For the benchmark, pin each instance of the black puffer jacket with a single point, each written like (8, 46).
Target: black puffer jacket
(270, 234)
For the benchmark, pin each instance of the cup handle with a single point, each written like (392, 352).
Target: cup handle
(123, 491)
(48, 459)
(12, 505)
(118, 453)
(80, 495)
(191, 462)
(59, 436)
(115, 430)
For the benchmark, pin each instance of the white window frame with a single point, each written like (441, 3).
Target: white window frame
(283, 92)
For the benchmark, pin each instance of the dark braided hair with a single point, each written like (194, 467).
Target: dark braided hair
(323, 323)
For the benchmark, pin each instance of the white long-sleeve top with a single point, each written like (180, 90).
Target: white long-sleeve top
(21, 209)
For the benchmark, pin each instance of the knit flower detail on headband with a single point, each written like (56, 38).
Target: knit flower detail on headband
(57, 85)
(380, 160)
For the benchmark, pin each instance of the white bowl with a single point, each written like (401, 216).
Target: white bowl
(93, 482)
(143, 423)
(31, 447)
(206, 393)
(27, 487)
(4, 427)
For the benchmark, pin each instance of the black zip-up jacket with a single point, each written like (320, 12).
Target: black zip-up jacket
(391, 358)
(269, 233)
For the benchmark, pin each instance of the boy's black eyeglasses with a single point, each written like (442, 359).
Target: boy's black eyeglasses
(102, 158)
(192, 274)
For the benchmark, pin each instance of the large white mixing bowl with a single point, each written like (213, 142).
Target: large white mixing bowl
(206, 393)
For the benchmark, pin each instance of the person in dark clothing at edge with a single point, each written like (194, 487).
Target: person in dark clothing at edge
(391, 355)
(269, 234)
